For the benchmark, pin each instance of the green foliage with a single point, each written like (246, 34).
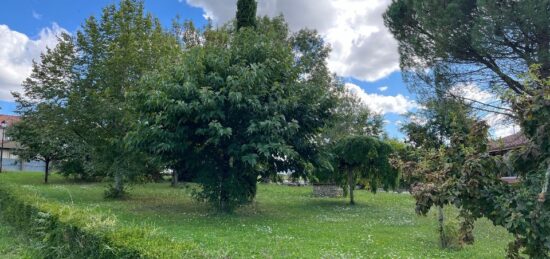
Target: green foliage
(68, 232)
(451, 237)
(367, 159)
(41, 131)
(444, 134)
(523, 209)
(80, 92)
(489, 42)
(237, 108)
(246, 13)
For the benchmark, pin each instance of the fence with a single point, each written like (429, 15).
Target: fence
(10, 164)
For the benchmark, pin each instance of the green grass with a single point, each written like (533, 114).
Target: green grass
(13, 244)
(283, 222)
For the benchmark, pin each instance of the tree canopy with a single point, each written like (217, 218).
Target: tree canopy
(366, 158)
(489, 42)
(239, 107)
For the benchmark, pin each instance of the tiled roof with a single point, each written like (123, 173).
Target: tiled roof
(510, 142)
(10, 119)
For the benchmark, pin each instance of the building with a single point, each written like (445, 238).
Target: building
(10, 161)
(9, 146)
(506, 144)
(502, 146)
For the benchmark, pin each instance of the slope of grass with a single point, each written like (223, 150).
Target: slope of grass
(13, 244)
(284, 222)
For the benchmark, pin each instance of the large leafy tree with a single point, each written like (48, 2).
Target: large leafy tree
(366, 158)
(113, 54)
(245, 104)
(91, 82)
(41, 131)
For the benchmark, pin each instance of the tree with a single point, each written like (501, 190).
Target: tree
(41, 131)
(443, 134)
(246, 13)
(38, 142)
(365, 158)
(523, 209)
(489, 42)
(493, 44)
(237, 108)
(351, 118)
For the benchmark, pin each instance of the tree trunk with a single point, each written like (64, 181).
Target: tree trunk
(441, 219)
(119, 185)
(47, 170)
(351, 184)
(224, 195)
(174, 178)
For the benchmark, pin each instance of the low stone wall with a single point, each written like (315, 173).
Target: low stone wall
(327, 190)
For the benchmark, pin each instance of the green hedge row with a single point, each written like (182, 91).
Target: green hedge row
(66, 232)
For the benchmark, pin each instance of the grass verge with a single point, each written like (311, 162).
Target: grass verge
(283, 222)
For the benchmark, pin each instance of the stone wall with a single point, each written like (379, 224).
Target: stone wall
(327, 190)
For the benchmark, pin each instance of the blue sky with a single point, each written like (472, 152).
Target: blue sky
(364, 53)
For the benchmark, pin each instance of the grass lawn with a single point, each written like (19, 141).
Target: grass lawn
(283, 222)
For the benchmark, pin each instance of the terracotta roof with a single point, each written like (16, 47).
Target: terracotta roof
(10, 119)
(509, 142)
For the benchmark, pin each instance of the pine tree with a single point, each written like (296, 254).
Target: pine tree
(246, 13)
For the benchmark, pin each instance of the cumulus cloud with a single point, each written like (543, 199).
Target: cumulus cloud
(382, 88)
(362, 46)
(383, 104)
(473, 92)
(17, 51)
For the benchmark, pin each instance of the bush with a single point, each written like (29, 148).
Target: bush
(450, 238)
(67, 232)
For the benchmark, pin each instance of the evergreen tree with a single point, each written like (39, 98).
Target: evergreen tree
(488, 42)
(246, 13)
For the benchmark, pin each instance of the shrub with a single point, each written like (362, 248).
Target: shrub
(63, 231)
(450, 238)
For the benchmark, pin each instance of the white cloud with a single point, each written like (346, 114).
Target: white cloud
(362, 46)
(501, 126)
(17, 51)
(382, 88)
(473, 92)
(36, 15)
(383, 103)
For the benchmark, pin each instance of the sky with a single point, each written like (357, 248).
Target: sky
(364, 53)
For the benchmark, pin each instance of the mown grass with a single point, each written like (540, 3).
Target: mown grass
(284, 222)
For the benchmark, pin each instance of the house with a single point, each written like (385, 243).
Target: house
(7, 146)
(10, 161)
(502, 146)
(506, 144)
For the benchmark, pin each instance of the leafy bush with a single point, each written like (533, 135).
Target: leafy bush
(67, 232)
(451, 235)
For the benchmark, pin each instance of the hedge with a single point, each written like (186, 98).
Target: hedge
(64, 231)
